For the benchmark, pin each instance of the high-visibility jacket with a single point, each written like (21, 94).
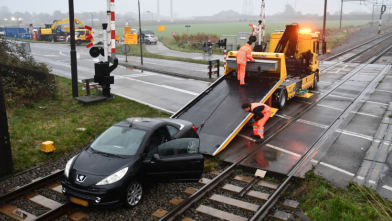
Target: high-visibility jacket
(244, 54)
(264, 112)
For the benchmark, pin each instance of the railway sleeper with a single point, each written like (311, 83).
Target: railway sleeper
(280, 215)
(159, 213)
(259, 196)
(206, 210)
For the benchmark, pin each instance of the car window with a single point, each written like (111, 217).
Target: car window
(177, 147)
(119, 140)
(172, 130)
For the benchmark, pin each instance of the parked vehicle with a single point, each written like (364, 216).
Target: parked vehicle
(150, 39)
(112, 169)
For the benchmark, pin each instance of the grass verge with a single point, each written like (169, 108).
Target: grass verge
(57, 121)
(135, 51)
(321, 201)
(170, 43)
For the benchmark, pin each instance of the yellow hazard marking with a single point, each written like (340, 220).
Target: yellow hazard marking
(307, 95)
(273, 111)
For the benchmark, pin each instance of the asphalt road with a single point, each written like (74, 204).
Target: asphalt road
(160, 91)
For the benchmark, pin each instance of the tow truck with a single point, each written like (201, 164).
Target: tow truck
(287, 70)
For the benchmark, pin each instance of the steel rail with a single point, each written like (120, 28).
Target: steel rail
(351, 49)
(263, 211)
(31, 186)
(222, 176)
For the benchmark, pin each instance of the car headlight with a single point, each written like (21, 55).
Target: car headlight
(114, 177)
(68, 166)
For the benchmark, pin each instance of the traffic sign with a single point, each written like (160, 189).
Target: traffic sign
(187, 26)
(125, 49)
(127, 30)
(126, 23)
(161, 28)
(174, 33)
(130, 39)
(30, 28)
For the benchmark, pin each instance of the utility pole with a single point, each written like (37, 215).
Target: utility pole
(371, 24)
(325, 18)
(171, 10)
(140, 36)
(158, 11)
(383, 8)
(74, 70)
(92, 19)
(341, 13)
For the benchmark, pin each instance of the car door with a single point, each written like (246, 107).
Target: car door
(177, 160)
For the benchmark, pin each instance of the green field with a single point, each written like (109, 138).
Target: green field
(234, 27)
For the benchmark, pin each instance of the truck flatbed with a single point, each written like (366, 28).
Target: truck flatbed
(219, 108)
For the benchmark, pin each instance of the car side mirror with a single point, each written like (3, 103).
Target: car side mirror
(143, 156)
(156, 157)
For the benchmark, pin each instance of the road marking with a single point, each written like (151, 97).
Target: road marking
(341, 69)
(159, 85)
(372, 182)
(383, 91)
(283, 150)
(63, 54)
(387, 187)
(360, 177)
(142, 102)
(377, 103)
(370, 115)
(50, 55)
(139, 75)
(332, 95)
(324, 82)
(337, 169)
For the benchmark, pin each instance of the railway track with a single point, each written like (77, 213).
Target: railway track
(220, 181)
(262, 201)
(53, 209)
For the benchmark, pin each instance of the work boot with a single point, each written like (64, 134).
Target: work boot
(259, 140)
(254, 136)
(242, 85)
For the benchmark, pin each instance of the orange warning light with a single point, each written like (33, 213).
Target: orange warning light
(304, 31)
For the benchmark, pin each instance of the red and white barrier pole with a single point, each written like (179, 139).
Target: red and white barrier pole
(263, 13)
(224, 60)
(113, 28)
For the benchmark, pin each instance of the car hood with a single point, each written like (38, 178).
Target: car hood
(97, 164)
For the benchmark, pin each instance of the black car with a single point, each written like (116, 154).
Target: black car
(112, 169)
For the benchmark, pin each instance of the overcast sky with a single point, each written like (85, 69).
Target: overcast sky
(186, 8)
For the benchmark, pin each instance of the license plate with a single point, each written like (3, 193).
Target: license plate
(79, 201)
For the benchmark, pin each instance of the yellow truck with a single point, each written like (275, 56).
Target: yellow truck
(55, 31)
(287, 70)
(80, 36)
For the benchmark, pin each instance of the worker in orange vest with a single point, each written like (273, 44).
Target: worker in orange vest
(242, 57)
(261, 114)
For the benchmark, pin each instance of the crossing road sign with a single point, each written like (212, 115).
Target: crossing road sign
(174, 33)
(130, 39)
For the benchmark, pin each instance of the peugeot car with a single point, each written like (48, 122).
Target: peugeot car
(112, 170)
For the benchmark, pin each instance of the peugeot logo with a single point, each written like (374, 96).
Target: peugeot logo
(80, 178)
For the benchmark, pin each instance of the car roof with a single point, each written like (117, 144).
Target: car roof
(150, 123)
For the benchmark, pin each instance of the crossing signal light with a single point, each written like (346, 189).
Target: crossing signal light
(96, 51)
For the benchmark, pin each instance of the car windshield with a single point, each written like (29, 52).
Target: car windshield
(119, 141)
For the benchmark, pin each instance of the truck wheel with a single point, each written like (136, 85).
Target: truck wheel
(315, 80)
(279, 99)
(78, 42)
(50, 38)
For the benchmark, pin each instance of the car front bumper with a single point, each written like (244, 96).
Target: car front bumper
(110, 196)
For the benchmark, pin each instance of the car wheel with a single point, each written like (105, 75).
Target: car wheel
(134, 194)
(148, 42)
(78, 42)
